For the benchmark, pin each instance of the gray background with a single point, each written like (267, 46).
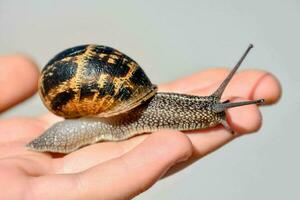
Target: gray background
(171, 39)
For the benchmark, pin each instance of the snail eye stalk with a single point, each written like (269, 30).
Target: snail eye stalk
(218, 93)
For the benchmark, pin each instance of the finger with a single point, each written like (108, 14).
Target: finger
(244, 119)
(250, 84)
(73, 162)
(254, 84)
(196, 81)
(18, 80)
(20, 129)
(143, 166)
(16, 132)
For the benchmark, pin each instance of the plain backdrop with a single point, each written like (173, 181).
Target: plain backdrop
(171, 39)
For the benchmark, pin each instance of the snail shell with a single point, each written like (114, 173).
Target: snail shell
(92, 80)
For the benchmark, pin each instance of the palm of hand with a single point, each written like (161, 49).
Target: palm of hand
(95, 171)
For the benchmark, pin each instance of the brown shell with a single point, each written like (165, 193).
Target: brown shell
(92, 80)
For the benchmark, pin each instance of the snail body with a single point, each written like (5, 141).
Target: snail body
(106, 96)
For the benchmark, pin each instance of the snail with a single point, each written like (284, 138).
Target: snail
(104, 95)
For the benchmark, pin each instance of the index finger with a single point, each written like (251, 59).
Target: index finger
(249, 84)
(18, 80)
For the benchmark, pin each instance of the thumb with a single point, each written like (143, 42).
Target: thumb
(137, 170)
(128, 175)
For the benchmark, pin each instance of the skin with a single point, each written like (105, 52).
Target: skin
(88, 174)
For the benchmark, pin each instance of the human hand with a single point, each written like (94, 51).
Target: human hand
(114, 170)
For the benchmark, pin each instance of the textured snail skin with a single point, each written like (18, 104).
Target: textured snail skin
(147, 111)
(163, 111)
